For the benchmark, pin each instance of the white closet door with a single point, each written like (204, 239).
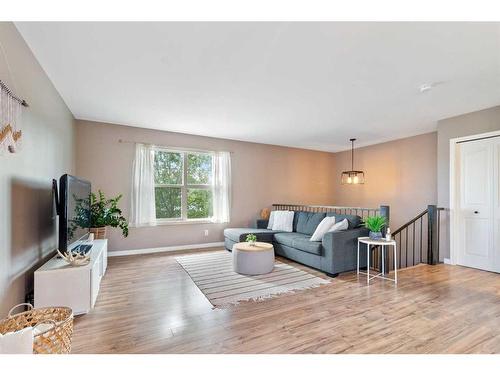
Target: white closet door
(496, 205)
(478, 160)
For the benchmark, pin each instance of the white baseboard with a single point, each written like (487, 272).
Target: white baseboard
(446, 261)
(165, 249)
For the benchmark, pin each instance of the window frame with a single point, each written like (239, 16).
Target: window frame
(185, 186)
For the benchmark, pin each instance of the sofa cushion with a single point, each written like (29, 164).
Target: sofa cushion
(295, 219)
(286, 238)
(354, 220)
(305, 244)
(240, 234)
(308, 221)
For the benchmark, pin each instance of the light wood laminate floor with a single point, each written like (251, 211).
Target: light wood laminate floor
(148, 304)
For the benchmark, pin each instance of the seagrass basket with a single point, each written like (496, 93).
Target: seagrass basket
(56, 340)
(99, 233)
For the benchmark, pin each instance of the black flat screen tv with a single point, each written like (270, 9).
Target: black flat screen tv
(74, 212)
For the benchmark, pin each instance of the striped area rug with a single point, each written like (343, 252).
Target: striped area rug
(213, 274)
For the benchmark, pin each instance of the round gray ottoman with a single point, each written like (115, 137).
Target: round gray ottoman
(253, 260)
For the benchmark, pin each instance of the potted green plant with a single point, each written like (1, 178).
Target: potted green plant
(104, 212)
(375, 224)
(251, 239)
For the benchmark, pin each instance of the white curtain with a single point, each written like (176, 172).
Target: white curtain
(143, 211)
(222, 187)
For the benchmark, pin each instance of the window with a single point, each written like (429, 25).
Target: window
(183, 185)
(179, 186)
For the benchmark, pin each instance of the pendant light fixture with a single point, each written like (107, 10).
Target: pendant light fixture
(353, 177)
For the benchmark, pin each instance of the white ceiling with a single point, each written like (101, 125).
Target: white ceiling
(308, 85)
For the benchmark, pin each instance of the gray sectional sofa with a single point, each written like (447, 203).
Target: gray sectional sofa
(336, 253)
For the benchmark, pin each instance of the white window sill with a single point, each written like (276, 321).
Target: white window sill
(173, 222)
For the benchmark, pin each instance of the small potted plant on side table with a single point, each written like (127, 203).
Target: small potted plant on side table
(251, 239)
(375, 224)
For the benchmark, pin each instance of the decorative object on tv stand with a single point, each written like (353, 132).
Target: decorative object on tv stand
(75, 258)
(251, 239)
(375, 224)
(104, 212)
(353, 177)
(10, 112)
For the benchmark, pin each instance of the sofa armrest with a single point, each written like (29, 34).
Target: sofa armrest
(262, 223)
(340, 250)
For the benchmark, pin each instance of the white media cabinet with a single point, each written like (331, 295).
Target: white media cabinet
(59, 284)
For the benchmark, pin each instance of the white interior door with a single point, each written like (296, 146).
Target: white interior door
(479, 224)
(496, 206)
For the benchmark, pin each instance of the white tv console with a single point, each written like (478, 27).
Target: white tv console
(59, 284)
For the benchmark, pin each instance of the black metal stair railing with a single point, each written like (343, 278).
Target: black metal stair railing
(418, 240)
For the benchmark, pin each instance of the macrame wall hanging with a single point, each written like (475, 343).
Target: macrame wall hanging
(10, 117)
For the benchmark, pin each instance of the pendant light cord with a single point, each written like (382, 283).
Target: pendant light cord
(352, 155)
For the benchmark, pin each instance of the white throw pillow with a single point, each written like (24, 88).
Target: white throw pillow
(322, 228)
(341, 225)
(271, 220)
(283, 221)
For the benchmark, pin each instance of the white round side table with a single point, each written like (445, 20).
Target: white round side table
(382, 243)
(254, 259)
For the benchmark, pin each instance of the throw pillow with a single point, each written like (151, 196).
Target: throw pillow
(341, 225)
(271, 220)
(322, 228)
(283, 221)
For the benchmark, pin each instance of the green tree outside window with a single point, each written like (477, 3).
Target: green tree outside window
(183, 185)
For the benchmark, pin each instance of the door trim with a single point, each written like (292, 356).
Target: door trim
(454, 203)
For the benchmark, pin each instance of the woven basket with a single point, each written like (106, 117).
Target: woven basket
(99, 233)
(56, 340)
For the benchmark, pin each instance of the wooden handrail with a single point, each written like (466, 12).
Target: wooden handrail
(327, 207)
(412, 221)
(360, 211)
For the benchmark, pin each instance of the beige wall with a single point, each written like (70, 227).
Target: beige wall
(261, 175)
(27, 221)
(460, 126)
(400, 173)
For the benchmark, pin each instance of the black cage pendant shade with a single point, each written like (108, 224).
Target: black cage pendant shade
(353, 177)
